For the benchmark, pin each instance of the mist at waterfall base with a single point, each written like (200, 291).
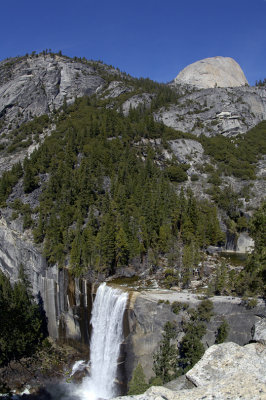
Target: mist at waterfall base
(107, 335)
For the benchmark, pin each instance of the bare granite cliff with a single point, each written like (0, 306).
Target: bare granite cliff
(218, 100)
(33, 86)
(213, 72)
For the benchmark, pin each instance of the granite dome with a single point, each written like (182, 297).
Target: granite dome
(212, 72)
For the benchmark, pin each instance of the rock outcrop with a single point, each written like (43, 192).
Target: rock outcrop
(226, 371)
(33, 86)
(137, 100)
(226, 111)
(213, 72)
(115, 89)
(245, 244)
(188, 151)
(227, 359)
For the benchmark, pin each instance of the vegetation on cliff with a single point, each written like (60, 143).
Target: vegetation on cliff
(137, 384)
(237, 156)
(172, 359)
(107, 199)
(251, 280)
(254, 275)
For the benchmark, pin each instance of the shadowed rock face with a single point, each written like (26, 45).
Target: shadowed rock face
(213, 72)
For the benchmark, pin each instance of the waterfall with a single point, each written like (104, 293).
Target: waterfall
(107, 335)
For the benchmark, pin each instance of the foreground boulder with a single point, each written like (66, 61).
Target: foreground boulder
(226, 371)
(225, 360)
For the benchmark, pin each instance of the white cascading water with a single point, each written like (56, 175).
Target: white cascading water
(78, 366)
(107, 334)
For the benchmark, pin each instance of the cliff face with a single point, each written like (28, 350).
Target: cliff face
(220, 100)
(33, 86)
(147, 317)
(66, 301)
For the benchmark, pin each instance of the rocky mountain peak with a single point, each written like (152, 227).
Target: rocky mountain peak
(36, 85)
(213, 72)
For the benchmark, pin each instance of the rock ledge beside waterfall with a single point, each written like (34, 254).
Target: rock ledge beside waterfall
(226, 371)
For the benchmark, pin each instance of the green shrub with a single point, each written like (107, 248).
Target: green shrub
(222, 332)
(176, 173)
(205, 310)
(177, 307)
(250, 303)
(194, 177)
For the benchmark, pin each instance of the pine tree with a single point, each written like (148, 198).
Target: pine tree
(222, 332)
(138, 384)
(121, 247)
(30, 181)
(191, 350)
(221, 279)
(164, 237)
(187, 261)
(165, 360)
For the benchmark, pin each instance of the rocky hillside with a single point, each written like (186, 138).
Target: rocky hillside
(32, 86)
(215, 111)
(118, 165)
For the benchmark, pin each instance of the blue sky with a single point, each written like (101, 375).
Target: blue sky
(148, 38)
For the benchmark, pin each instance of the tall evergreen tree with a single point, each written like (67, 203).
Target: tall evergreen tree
(165, 360)
(137, 384)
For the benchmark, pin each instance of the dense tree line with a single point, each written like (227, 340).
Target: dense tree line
(261, 82)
